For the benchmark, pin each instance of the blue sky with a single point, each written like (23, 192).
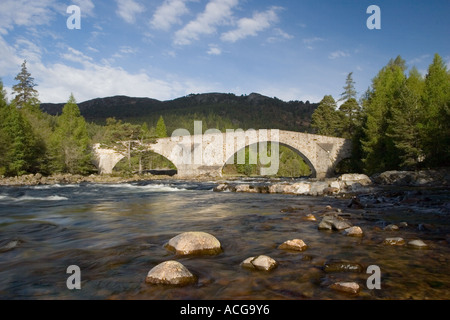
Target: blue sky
(164, 49)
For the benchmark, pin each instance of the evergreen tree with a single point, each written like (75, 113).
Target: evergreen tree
(325, 119)
(380, 152)
(70, 142)
(405, 124)
(24, 90)
(437, 103)
(19, 142)
(349, 89)
(3, 146)
(349, 118)
(161, 130)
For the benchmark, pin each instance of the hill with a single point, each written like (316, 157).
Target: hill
(216, 110)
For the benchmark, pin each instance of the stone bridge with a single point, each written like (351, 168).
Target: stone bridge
(206, 154)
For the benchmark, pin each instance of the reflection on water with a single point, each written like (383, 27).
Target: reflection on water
(116, 234)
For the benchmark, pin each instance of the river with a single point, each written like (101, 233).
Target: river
(116, 234)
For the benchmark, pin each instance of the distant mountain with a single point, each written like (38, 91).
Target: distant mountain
(219, 110)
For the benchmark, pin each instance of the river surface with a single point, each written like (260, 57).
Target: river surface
(116, 234)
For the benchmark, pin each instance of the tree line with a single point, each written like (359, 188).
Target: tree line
(401, 121)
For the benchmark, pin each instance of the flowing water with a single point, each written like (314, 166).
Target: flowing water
(116, 234)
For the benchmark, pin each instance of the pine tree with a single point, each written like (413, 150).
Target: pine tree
(437, 103)
(380, 153)
(19, 142)
(161, 130)
(405, 124)
(349, 89)
(24, 90)
(70, 142)
(349, 118)
(325, 119)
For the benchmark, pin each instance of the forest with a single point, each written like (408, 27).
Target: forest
(400, 122)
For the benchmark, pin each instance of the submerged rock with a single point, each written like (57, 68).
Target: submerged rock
(418, 244)
(9, 245)
(347, 287)
(170, 273)
(334, 223)
(341, 266)
(194, 243)
(309, 217)
(391, 227)
(296, 245)
(353, 232)
(394, 241)
(263, 263)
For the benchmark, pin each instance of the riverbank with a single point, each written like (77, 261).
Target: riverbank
(331, 186)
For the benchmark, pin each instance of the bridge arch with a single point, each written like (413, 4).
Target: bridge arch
(267, 142)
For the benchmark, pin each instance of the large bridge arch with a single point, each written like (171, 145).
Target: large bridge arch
(267, 142)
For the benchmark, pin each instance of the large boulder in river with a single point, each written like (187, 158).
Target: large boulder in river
(170, 273)
(347, 287)
(295, 245)
(351, 178)
(263, 263)
(334, 223)
(188, 243)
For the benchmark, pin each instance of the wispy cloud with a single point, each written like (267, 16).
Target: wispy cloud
(279, 35)
(216, 13)
(25, 13)
(251, 26)
(419, 59)
(214, 50)
(168, 14)
(128, 9)
(338, 54)
(310, 41)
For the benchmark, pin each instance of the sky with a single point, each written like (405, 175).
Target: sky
(165, 49)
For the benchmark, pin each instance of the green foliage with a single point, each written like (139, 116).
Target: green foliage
(24, 90)
(325, 120)
(161, 131)
(349, 118)
(405, 123)
(19, 142)
(436, 98)
(349, 89)
(291, 164)
(70, 148)
(380, 153)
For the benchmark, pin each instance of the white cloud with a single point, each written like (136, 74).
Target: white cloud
(338, 54)
(28, 13)
(312, 40)
(279, 36)
(90, 80)
(214, 50)
(251, 26)
(28, 50)
(128, 9)
(216, 13)
(418, 59)
(168, 14)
